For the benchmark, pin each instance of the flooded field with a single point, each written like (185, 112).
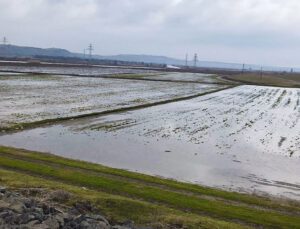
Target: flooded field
(245, 138)
(189, 77)
(29, 98)
(82, 70)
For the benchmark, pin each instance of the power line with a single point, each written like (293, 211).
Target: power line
(186, 60)
(90, 49)
(195, 59)
(4, 41)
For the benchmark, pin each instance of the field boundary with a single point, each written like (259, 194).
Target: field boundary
(245, 82)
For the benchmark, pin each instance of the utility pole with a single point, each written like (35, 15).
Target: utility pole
(261, 73)
(243, 68)
(4, 41)
(90, 49)
(186, 60)
(195, 60)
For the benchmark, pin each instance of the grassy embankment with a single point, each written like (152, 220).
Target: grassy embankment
(268, 79)
(145, 199)
(215, 79)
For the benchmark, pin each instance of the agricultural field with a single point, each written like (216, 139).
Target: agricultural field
(73, 70)
(31, 98)
(268, 79)
(245, 139)
(180, 77)
(230, 152)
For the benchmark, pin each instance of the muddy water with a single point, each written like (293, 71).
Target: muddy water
(238, 139)
(188, 77)
(82, 70)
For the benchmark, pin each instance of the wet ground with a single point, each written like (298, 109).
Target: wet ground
(29, 98)
(72, 70)
(245, 139)
(188, 77)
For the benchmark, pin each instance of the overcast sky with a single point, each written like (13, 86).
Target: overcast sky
(246, 31)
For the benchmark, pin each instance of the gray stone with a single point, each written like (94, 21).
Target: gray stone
(3, 204)
(39, 213)
(121, 227)
(100, 225)
(51, 222)
(29, 203)
(17, 207)
(25, 218)
(60, 218)
(16, 211)
(85, 225)
(33, 223)
(2, 189)
(97, 217)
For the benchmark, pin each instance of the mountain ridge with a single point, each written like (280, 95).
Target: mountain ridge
(30, 52)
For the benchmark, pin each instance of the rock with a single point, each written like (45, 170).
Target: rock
(2, 189)
(100, 225)
(60, 196)
(17, 207)
(3, 204)
(26, 218)
(39, 210)
(33, 223)
(60, 218)
(51, 222)
(125, 225)
(85, 224)
(39, 215)
(17, 211)
(48, 209)
(97, 218)
(83, 207)
(29, 203)
(4, 214)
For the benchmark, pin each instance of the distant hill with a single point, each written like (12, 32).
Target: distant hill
(20, 51)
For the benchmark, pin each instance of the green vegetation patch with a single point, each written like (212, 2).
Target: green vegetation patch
(232, 207)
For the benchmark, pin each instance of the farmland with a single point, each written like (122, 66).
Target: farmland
(29, 98)
(194, 150)
(223, 139)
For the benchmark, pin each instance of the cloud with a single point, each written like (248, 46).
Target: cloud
(169, 27)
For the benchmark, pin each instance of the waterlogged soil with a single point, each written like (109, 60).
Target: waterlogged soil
(244, 139)
(73, 70)
(30, 98)
(189, 77)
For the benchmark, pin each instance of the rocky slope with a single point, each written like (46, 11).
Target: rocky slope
(25, 209)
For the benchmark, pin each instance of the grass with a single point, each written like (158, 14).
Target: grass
(155, 77)
(155, 197)
(116, 208)
(268, 79)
